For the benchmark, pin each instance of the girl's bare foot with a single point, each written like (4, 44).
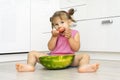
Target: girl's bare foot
(24, 68)
(88, 68)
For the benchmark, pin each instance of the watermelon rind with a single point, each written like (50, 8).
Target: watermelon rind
(56, 62)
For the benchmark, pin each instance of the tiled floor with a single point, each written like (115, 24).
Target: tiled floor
(109, 70)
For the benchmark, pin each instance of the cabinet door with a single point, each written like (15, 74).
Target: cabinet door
(80, 7)
(103, 8)
(14, 26)
(41, 11)
(98, 9)
(71, 3)
(100, 35)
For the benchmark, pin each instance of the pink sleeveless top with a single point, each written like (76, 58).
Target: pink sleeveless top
(62, 45)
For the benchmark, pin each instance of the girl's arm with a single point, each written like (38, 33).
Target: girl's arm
(75, 42)
(53, 39)
(52, 43)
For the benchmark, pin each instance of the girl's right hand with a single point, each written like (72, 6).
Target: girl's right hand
(55, 33)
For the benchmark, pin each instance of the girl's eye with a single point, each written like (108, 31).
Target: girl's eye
(62, 22)
(56, 24)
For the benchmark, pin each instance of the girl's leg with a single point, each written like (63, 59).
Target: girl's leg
(33, 58)
(82, 61)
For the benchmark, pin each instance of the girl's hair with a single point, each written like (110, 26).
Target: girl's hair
(63, 15)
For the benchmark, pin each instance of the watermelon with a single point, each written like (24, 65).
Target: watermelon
(56, 62)
(61, 29)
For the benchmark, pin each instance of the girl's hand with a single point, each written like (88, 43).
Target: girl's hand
(67, 33)
(55, 33)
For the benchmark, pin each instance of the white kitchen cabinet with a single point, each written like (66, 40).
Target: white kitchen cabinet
(79, 6)
(41, 11)
(98, 23)
(71, 3)
(92, 9)
(103, 8)
(100, 35)
(14, 26)
(98, 9)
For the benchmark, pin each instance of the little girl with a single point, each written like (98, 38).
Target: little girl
(61, 43)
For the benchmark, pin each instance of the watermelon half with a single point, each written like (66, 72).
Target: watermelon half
(56, 62)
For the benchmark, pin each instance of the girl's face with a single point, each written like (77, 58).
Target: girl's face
(57, 22)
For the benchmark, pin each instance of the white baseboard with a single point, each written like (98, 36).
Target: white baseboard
(103, 55)
(13, 57)
(93, 55)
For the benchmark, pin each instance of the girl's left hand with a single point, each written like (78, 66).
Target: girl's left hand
(67, 33)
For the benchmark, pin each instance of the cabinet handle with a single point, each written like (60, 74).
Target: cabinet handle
(107, 22)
